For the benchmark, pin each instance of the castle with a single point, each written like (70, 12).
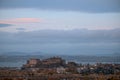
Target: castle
(53, 62)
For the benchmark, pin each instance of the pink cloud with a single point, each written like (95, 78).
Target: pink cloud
(20, 20)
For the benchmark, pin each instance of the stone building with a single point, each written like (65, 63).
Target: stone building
(53, 62)
(32, 63)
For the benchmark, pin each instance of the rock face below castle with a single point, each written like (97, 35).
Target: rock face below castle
(46, 63)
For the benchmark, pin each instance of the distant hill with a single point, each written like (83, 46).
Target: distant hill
(21, 53)
(116, 54)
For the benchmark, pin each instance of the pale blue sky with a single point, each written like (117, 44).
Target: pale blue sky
(60, 19)
(60, 14)
(60, 26)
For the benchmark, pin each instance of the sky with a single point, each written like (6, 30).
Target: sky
(60, 26)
